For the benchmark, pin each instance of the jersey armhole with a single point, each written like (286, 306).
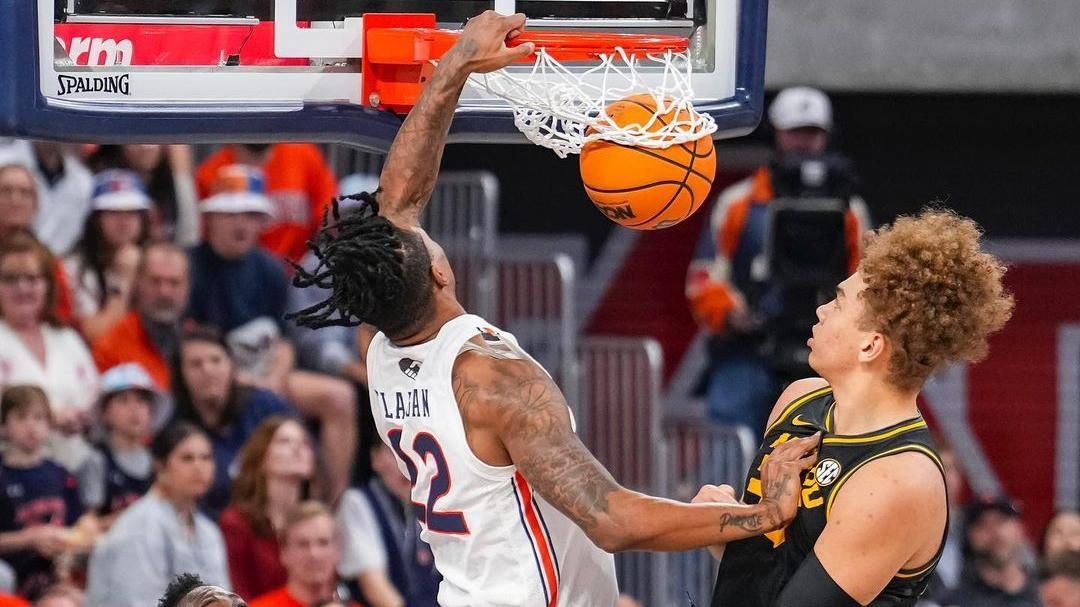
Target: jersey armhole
(472, 460)
(910, 572)
(913, 572)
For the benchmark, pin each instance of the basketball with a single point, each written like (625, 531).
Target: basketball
(647, 188)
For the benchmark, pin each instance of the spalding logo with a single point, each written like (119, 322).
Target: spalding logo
(117, 85)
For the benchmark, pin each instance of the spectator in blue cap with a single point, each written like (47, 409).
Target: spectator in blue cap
(102, 267)
(121, 470)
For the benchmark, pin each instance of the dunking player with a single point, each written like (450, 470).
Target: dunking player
(872, 520)
(512, 504)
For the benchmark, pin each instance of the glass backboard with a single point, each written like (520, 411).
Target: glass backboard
(277, 70)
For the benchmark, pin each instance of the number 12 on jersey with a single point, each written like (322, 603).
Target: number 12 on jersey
(426, 446)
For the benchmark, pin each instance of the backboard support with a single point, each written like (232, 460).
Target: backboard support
(98, 77)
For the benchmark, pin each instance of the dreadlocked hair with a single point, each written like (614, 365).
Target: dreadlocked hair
(178, 589)
(376, 272)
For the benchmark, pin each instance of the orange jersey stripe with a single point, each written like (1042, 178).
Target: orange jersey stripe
(547, 557)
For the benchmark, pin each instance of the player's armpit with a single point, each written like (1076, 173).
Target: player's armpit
(516, 402)
(523, 407)
(889, 515)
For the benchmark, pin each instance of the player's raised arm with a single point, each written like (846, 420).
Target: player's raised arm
(412, 165)
(522, 406)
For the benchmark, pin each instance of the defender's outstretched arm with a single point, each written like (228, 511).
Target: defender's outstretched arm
(520, 404)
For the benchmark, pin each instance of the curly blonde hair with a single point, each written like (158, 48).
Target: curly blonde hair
(932, 292)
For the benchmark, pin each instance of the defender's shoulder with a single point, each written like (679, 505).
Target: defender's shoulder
(795, 392)
(909, 481)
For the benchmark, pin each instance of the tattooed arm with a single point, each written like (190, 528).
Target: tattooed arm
(412, 165)
(520, 411)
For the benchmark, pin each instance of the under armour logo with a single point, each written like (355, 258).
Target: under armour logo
(410, 367)
(488, 334)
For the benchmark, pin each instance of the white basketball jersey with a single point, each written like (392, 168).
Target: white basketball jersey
(495, 541)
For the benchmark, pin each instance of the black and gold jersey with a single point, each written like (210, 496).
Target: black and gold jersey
(754, 571)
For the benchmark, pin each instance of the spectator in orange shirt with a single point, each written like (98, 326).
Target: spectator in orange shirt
(150, 333)
(310, 553)
(10, 600)
(299, 183)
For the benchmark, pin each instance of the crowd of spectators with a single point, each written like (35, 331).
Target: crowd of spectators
(988, 560)
(159, 415)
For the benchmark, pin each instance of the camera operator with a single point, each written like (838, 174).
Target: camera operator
(775, 241)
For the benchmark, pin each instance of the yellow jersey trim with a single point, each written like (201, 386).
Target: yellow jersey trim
(873, 438)
(908, 575)
(795, 404)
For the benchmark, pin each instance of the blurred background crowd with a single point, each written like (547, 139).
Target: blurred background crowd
(159, 415)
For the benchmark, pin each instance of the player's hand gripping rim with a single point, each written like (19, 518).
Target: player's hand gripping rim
(781, 479)
(483, 44)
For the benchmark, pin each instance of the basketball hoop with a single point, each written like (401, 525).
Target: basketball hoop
(556, 106)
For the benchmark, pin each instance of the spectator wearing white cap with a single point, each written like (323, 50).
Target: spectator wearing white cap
(121, 470)
(802, 117)
(724, 286)
(242, 290)
(102, 267)
(167, 172)
(299, 185)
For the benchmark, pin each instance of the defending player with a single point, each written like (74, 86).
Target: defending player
(872, 520)
(512, 504)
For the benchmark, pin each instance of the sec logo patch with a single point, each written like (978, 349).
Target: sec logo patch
(826, 472)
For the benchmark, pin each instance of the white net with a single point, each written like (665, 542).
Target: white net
(561, 109)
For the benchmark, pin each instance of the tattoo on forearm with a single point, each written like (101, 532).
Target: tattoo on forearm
(413, 159)
(775, 489)
(774, 518)
(550, 455)
(569, 477)
(746, 522)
